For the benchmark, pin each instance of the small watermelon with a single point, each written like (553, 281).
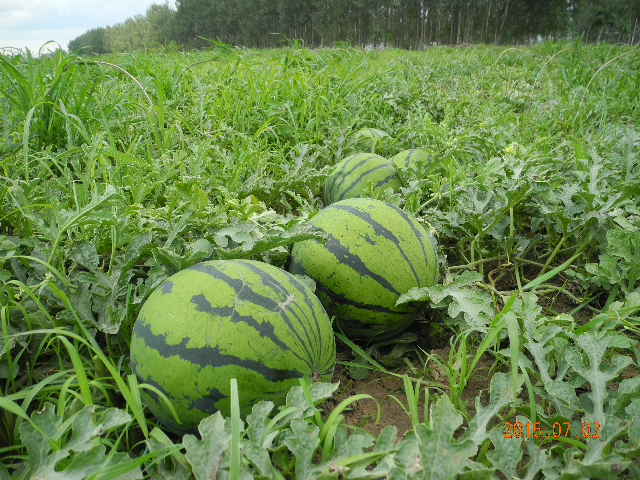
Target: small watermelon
(409, 159)
(374, 253)
(226, 319)
(352, 175)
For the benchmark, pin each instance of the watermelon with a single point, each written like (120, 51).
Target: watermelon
(226, 319)
(409, 159)
(374, 253)
(350, 178)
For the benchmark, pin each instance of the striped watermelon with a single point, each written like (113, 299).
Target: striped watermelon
(352, 175)
(219, 320)
(374, 253)
(409, 159)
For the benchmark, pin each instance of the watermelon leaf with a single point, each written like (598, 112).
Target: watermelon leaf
(178, 469)
(368, 138)
(206, 455)
(441, 457)
(259, 242)
(322, 391)
(620, 265)
(197, 251)
(296, 398)
(86, 255)
(257, 421)
(303, 442)
(475, 306)
(594, 346)
(500, 395)
(506, 452)
(56, 455)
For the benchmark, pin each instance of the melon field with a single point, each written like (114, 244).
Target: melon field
(122, 174)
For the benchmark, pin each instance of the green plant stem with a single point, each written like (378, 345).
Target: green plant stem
(113, 248)
(530, 262)
(518, 282)
(565, 249)
(511, 223)
(574, 256)
(54, 249)
(553, 254)
(235, 458)
(473, 250)
(109, 346)
(555, 288)
(489, 288)
(451, 185)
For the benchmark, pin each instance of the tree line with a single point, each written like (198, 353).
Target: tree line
(410, 24)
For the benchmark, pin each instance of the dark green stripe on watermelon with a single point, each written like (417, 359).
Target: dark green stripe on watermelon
(372, 132)
(335, 181)
(375, 252)
(337, 298)
(228, 319)
(345, 257)
(346, 185)
(207, 355)
(310, 342)
(165, 287)
(351, 177)
(410, 159)
(265, 329)
(385, 233)
(419, 232)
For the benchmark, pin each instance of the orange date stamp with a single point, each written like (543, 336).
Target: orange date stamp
(520, 430)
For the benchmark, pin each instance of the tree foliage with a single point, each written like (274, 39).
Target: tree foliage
(410, 24)
(91, 41)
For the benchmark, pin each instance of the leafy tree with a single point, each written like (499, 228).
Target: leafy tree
(91, 41)
(605, 19)
(412, 24)
(161, 19)
(134, 33)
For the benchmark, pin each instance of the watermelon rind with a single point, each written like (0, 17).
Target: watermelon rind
(228, 319)
(351, 177)
(410, 159)
(374, 253)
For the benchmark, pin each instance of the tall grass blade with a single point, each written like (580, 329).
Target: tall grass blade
(333, 416)
(234, 471)
(514, 345)
(79, 368)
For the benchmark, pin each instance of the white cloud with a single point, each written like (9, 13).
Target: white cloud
(31, 23)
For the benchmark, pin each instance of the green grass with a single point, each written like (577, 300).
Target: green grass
(111, 182)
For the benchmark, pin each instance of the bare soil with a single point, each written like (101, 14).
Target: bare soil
(384, 388)
(388, 390)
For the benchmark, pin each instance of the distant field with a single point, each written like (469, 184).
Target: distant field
(523, 363)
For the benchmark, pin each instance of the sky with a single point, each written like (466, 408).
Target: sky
(32, 23)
